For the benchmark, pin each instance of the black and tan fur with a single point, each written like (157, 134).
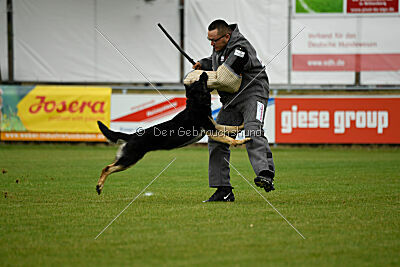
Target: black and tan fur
(195, 120)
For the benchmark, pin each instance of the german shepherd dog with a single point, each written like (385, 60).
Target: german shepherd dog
(194, 121)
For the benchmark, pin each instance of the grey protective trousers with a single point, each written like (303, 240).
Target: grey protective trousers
(258, 149)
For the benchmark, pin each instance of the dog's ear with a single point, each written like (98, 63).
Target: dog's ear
(203, 80)
(204, 77)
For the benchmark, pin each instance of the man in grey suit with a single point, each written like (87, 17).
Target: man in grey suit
(233, 52)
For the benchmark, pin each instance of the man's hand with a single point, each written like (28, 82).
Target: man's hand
(197, 66)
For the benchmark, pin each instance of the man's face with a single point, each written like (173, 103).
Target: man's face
(218, 41)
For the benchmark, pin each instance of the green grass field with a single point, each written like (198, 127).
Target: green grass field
(345, 201)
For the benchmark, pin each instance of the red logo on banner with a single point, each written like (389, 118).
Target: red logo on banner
(372, 6)
(337, 120)
(156, 111)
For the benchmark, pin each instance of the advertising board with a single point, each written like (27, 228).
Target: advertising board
(53, 113)
(344, 120)
(133, 112)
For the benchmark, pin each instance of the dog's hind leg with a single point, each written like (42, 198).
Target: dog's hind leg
(105, 173)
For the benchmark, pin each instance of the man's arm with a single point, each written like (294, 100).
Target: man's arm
(203, 64)
(238, 60)
(227, 77)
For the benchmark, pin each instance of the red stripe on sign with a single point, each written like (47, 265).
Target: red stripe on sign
(159, 110)
(346, 62)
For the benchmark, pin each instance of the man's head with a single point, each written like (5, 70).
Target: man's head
(219, 34)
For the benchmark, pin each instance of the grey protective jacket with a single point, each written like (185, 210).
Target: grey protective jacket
(258, 87)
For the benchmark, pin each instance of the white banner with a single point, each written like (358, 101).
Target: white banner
(331, 48)
(132, 112)
(388, 48)
(56, 41)
(263, 23)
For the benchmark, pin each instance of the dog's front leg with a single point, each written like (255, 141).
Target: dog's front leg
(221, 137)
(105, 173)
(227, 129)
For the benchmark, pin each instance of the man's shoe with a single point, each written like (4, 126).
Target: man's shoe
(265, 182)
(223, 194)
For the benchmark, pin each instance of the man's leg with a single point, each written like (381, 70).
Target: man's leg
(258, 149)
(218, 168)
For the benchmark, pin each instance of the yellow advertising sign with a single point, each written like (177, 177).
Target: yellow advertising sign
(67, 109)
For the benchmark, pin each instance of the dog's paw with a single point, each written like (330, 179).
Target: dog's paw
(98, 189)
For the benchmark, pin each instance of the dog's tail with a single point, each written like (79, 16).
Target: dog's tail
(111, 135)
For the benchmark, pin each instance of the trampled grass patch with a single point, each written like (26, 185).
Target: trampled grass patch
(345, 201)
